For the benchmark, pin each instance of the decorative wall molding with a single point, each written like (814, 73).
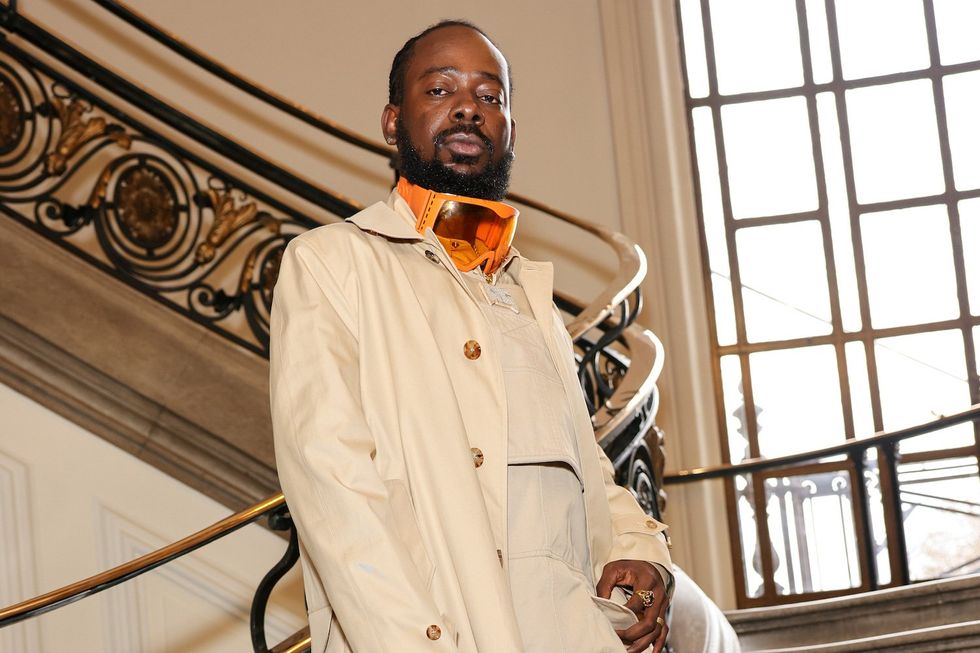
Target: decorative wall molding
(17, 560)
(646, 97)
(151, 383)
(127, 615)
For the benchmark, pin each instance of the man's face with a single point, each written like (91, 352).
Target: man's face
(453, 128)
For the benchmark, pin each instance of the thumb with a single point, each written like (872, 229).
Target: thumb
(607, 582)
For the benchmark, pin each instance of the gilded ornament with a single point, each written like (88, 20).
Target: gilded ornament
(146, 205)
(229, 218)
(11, 116)
(101, 187)
(76, 131)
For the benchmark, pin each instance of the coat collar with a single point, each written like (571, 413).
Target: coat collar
(391, 219)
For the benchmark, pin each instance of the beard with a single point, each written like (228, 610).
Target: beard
(490, 184)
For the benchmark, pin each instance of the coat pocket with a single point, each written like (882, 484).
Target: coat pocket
(407, 526)
(615, 610)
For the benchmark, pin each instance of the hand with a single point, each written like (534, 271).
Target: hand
(638, 575)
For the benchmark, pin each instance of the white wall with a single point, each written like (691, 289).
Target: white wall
(72, 505)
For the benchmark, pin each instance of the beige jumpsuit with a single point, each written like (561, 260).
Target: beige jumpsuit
(548, 555)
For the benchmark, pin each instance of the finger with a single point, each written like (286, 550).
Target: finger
(661, 640)
(648, 623)
(644, 643)
(635, 603)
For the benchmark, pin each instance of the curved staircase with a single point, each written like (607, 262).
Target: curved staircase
(939, 615)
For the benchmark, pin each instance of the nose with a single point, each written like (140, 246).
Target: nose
(467, 110)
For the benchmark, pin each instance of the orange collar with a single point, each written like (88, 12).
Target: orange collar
(474, 232)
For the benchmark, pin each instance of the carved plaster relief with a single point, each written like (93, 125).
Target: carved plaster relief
(179, 606)
(17, 557)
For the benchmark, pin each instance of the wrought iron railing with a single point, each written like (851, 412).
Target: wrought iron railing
(857, 472)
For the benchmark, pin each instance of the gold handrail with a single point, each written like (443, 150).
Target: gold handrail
(298, 642)
(632, 267)
(877, 440)
(104, 580)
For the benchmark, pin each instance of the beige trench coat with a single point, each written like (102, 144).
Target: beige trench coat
(377, 410)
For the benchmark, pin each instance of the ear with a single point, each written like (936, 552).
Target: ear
(513, 134)
(389, 122)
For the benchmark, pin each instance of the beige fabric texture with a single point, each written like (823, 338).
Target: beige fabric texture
(548, 552)
(375, 411)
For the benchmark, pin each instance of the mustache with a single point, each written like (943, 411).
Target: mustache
(441, 137)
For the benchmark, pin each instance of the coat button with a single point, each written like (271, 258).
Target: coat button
(433, 632)
(651, 523)
(472, 350)
(477, 456)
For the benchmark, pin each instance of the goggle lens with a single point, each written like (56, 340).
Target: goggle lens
(472, 234)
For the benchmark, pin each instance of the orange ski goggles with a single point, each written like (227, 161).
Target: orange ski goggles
(474, 231)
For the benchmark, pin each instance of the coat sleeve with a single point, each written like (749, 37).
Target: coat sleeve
(324, 454)
(636, 535)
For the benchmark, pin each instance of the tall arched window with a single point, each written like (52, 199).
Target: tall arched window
(837, 157)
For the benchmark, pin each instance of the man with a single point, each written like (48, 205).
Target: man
(431, 436)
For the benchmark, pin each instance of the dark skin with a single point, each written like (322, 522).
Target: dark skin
(456, 76)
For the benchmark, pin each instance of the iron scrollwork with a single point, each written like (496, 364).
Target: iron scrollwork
(191, 236)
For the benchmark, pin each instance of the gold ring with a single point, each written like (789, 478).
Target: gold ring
(646, 597)
(660, 620)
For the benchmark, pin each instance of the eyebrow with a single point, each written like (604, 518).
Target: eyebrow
(453, 69)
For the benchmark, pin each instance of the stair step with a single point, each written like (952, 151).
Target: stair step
(954, 637)
(913, 608)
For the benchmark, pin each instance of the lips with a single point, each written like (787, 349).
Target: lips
(464, 144)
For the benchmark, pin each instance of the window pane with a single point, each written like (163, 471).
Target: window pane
(797, 399)
(713, 221)
(878, 37)
(710, 187)
(784, 281)
(770, 159)
(956, 25)
(839, 211)
(816, 18)
(962, 94)
(921, 377)
(757, 45)
(942, 518)
(811, 525)
(909, 263)
(970, 231)
(857, 379)
(721, 292)
(738, 430)
(976, 345)
(894, 141)
(694, 56)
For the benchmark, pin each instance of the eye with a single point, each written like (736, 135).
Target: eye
(437, 91)
(490, 99)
